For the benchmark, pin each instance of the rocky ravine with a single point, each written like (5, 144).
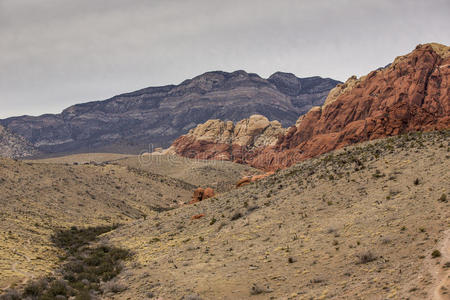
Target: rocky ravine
(158, 115)
(411, 94)
(14, 146)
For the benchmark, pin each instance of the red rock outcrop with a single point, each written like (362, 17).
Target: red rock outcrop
(248, 179)
(196, 217)
(221, 140)
(208, 193)
(201, 194)
(412, 94)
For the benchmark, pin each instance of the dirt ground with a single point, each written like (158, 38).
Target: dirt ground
(370, 221)
(359, 223)
(40, 196)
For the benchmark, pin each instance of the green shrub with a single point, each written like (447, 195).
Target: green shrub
(85, 269)
(436, 254)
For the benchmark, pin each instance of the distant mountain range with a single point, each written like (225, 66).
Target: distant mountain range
(158, 115)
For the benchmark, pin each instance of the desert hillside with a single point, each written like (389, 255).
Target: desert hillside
(220, 175)
(38, 197)
(366, 222)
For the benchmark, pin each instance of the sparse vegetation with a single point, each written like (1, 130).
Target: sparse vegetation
(256, 289)
(85, 269)
(360, 237)
(366, 257)
(378, 174)
(436, 254)
(235, 216)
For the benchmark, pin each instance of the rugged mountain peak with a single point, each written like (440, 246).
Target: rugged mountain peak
(215, 80)
(288, 83)
(340, 89)
(442, 50)
(411, 94)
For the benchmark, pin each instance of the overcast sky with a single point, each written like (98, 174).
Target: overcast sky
(55, 53)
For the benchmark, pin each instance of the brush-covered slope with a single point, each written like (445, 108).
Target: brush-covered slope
(219, 175)
(37, 198)
(13, 146)
(410, 94)
(358, 223)
(158, 115)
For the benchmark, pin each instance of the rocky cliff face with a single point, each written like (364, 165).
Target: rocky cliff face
(221, 140)
(158, 115)
(13, 146)
(411, 94)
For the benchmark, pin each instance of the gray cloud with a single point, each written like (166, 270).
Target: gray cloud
(54, 53)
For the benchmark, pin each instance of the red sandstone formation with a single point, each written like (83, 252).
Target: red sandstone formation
(208, 193)
(221, 140)
(201, 194)
(196, 217)
(248, 179)
(412, 94)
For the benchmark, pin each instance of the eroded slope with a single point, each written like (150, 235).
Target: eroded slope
(37, 198)
(359, 223)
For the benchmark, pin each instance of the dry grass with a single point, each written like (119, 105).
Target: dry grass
(296, 245)
(325, 228)
(81, 190)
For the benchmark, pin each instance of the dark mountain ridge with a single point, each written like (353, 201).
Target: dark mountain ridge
(132, 121)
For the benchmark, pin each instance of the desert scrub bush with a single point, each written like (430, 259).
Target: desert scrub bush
(154, 240)
(443, 198)
(236, 216)
(114, 287)
(252, 208)
(10, 295)
(86, 267)
(35, 289)
(378, 174)
(365, 257)
(436, 254)
(74, 238)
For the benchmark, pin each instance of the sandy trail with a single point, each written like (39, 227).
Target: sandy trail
(27, 276)
(441, 288)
